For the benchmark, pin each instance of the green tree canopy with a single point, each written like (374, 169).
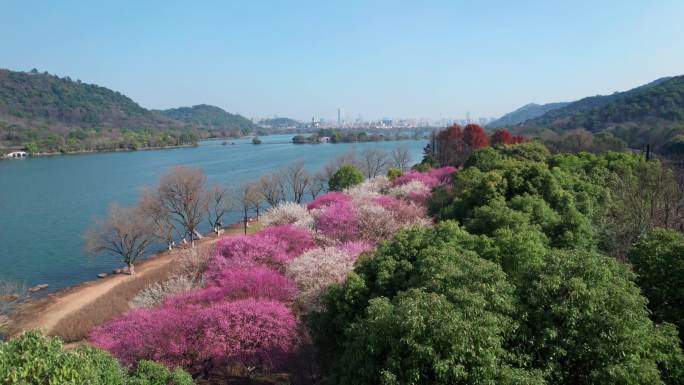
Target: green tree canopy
(346, 176)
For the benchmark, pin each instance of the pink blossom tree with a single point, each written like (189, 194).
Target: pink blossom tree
(329, 199)
(239, 283)
(339, 222)
(247, 332)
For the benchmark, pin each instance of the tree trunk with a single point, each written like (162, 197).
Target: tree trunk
(131, 269)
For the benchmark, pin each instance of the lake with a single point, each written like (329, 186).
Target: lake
(46, 203)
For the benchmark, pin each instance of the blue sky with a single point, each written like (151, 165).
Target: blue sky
(375, 58)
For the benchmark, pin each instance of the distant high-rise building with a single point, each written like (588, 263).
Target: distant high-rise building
(339, 118)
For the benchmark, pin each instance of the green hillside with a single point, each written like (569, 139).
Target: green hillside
(524, 113)
(46, 113)
(281, 123)
(211, 118)
(652, 113)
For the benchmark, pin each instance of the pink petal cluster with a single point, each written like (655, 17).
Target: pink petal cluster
(272, 246)
(432, 178)
(255, 332)
(328, 199)
(293, 239)
(339, 222)
(239, 283)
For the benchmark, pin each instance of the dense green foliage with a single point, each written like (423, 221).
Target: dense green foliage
(215, 120)
(434, 306)
(658, 260)
(652, 113)
(33, 359)
(524, 113)
(345, 136)
(394, 173)
(519, 292)
(44, 113)
(281, 123)
(346, 176)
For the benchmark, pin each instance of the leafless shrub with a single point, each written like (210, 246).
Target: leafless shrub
(181, 191)
(401, 157)
(272, 187)
(11, 295)
(217, 204)
(297, 179)
(374, 162)
(126, 232)
(156, 293)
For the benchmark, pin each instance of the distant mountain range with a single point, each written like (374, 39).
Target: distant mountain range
(47, 113)
(524, 113)
(652, 113)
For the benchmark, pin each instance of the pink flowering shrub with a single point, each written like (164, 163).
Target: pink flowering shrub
(431, 178)
(406, 213)
(253, 332)
(443, 174)
(328, 199)
(356, 248)
(339, 222)
(239, 283)
(272, 246)
(244, 251)
(294, 239)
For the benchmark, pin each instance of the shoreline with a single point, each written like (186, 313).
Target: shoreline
(86, 152)
(46, 312)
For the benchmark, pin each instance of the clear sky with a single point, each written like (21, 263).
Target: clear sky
(375, 58)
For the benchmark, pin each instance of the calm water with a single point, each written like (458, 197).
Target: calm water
(46, 203)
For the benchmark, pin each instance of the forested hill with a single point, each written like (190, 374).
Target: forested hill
(281, 123)
(34, 99)
(526, 112)
(651, 113)
(211, 118)
(47, 113)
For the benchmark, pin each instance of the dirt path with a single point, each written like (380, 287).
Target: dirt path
(46, 313)
(73, 301)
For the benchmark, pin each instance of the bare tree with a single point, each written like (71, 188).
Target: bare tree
(297, 179)
(401, 157)
(181, 191)
(151, 205)
(318, 184)
(257, 198)
(374, 162)
(126, 232)
(11, 294)
(217, 204)
(272, 188)
(244, 198)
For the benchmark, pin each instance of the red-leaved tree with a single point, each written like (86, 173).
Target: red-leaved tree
(502, 136)
(475, 137)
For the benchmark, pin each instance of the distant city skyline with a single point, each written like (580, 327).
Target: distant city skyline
(406, 60)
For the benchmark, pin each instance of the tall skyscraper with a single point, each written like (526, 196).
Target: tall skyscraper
(339, 118)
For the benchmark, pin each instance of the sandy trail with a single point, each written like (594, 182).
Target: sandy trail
(73, 301)
(45, 313)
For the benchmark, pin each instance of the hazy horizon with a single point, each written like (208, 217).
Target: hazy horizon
(386, 59)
